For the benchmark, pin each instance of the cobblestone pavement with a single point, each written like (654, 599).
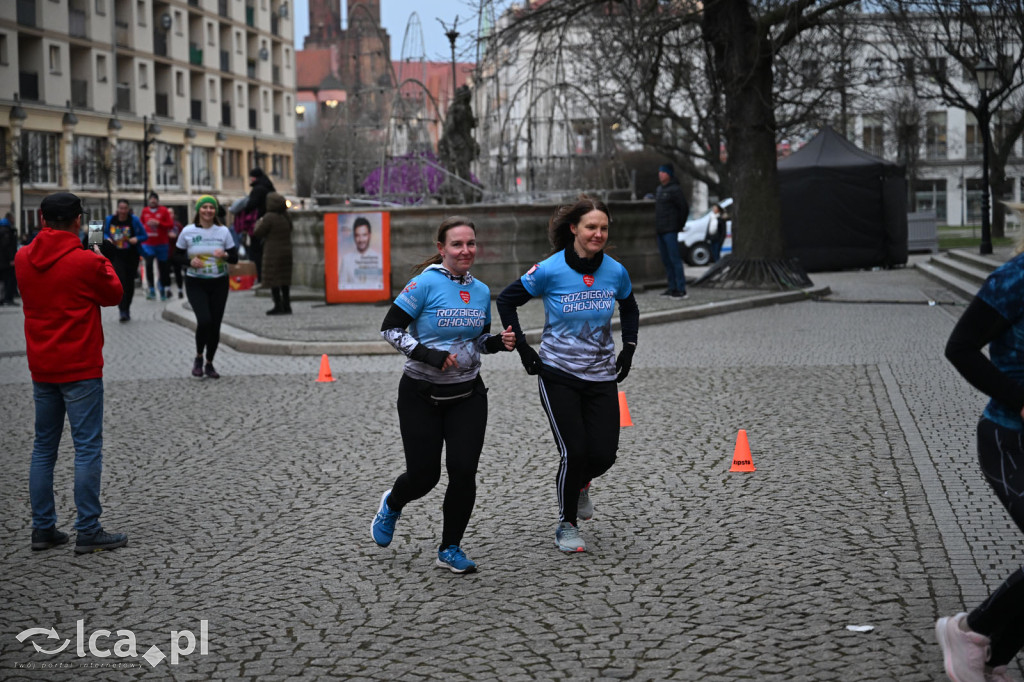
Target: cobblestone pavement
(248, 502)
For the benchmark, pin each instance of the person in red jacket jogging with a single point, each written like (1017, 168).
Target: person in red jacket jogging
(158, 221)
(63, 287)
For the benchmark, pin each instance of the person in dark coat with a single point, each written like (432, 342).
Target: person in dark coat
(8, 247)
(274, 230)
(260, 186)
(670, 212)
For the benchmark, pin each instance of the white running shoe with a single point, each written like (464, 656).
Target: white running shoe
(964, 652)
(567, 538)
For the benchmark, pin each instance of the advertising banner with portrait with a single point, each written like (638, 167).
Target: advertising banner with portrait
(357, 257)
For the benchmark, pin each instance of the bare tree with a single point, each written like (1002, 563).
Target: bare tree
(944, 42)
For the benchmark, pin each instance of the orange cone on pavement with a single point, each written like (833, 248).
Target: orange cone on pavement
(624, 419)
(325, 369)
(741, 457)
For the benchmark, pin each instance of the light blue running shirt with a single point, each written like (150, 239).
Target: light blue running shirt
(447, 316)
(578, 312)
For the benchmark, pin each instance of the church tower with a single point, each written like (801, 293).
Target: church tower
(324, 24)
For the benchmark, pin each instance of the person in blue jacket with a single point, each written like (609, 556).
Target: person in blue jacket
(577, 369)
(980, 645)
(125, 232)
(441, 321)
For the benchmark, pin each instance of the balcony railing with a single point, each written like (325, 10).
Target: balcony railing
(159, 43)
(124, 97)
(225, 60)
(122, 34)
(225, 114)
(195, 54)
(253, 125)
(80, 93)
(28, 85)
(162, 104)
(27, 13)
(76, 23)
(197, 110)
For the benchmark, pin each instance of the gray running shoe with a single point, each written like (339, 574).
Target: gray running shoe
(585, 508)
(567, 538)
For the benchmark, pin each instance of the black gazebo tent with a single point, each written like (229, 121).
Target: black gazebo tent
(842, 207)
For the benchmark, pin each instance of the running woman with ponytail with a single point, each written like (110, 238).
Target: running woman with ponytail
(577, 369)
(978, 646)
(441, 321)
(207, 247)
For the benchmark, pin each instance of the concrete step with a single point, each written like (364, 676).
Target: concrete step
(958, 285)
(974, 259)
(968, 271)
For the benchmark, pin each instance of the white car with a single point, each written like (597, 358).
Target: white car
(693, 240)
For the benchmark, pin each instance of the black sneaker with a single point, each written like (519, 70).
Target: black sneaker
(99, 541)
(197, 368)
(211, 372)
(45, 538)
(679, 294)
(667, 292)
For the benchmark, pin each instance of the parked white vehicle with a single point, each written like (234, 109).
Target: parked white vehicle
(693, 240)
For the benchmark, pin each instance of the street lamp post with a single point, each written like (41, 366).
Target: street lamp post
(149, 133)
(985, 73)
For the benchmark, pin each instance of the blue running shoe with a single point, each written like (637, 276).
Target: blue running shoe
(383, 527)
(567, 538)
(455, 560)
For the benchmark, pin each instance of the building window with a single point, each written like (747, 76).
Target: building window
(40, 151)
(101, 7)
(179, 83)
(128, 164)
(937, 68)
(88, 157)
(972, 138)
(930, 195)
(202, 167)
(177, 22)
(238, 42)
(266, 101)
(287, 58)
(168, 165)
(232, 163)
(143, 77)
(3, 48)
(239, 98)
(211, 38)
(935, 135)
(55, 59)
(873, 134)
(973, 194)
(874, 70)
(140, 11)
(1002, 130)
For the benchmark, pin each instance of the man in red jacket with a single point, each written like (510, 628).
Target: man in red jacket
(62, 289)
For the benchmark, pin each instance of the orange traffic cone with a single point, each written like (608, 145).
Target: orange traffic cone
(325, 369)
(741, 458)
(624, 419)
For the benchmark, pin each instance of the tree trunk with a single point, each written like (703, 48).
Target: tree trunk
(743, 61)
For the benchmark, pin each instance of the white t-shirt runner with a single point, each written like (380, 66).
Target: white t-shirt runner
(200, 243)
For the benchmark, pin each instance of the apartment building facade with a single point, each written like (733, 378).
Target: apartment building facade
(114, 98)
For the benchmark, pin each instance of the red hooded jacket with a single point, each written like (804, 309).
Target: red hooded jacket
(62, 288)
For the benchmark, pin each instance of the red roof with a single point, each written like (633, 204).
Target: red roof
(311, 67)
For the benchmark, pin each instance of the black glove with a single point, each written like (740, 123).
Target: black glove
(531, 361)
(431, 356)
(624, 362)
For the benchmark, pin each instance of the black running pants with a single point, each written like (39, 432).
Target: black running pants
(208, 298)
(584, 418)
(126, 266)
(1001, 454)
(426, 427)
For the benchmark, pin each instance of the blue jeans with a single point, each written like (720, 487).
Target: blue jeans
(82, 401)
(668, 247)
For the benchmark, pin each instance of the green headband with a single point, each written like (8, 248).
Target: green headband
(205, 199)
